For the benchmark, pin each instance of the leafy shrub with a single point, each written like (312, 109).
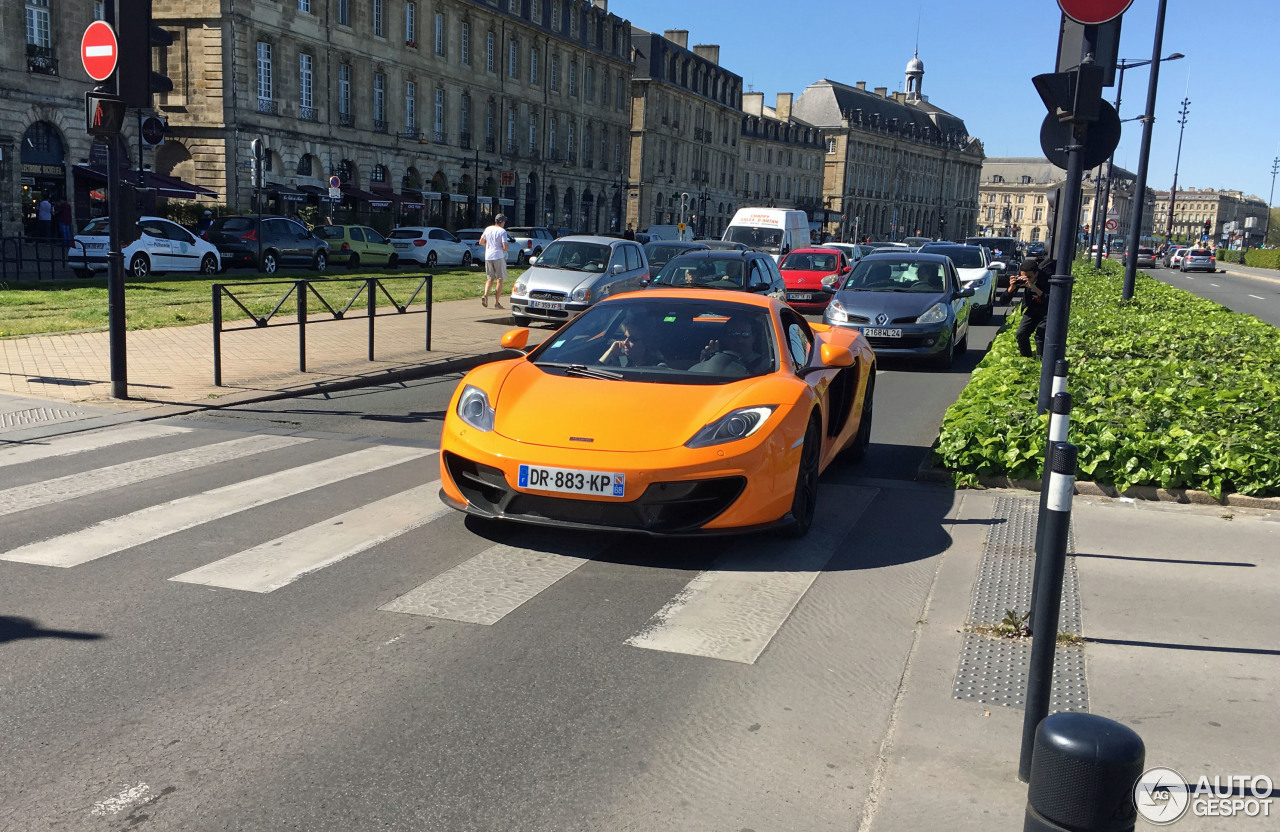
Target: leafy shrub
(1226, 255)
(1264, 258)
(1169, 390)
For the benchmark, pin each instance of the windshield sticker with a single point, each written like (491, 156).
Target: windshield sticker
(558, 344)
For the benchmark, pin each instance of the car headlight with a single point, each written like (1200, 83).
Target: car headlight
(519, 289)
(474, 408)
(737, 424)
(830, 280)
(582, 293)
(936, 314)
(836, 310)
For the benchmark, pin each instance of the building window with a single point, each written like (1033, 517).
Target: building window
(572, 144)
(344, 12)
(305, 82)
(589, 83)
(587, 144)
(553, 127)
(465, 46)
(438, 121)
(573, 77)
(489, 52)
(573, 23)
(511, 130)
(304, 165)
(831, 146)
(304, 6)
(533, 65)
(379, 103)
(537, 11)
(488, 126)
(439, 45)
(99, 9)
(344, 94)
(555, 15)
(533, 131)
(410, 24)
(464, 120)
(513, 60)
(622, 89)
(617, 153)
(410, 108)
(377, 18)
(555, 73)
(513, 6)
(264, 74)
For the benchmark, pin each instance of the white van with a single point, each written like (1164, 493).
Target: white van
(669, 232)
(774, 230)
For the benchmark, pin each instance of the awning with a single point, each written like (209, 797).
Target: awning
(485, 200)
(169, 187)
(321, 193)
(460, 197)
(410, 198)
(360, 195)
(430, 195)
(286, 194)
(506, 202)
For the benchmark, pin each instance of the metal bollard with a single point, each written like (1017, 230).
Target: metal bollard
(1059, 428)
(1051, 564)
(1083, 772)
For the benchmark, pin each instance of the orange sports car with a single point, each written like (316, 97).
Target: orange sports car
(673, 411)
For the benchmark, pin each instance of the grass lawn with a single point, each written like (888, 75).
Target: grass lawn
(32, 307)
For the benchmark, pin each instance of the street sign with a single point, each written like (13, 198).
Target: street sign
(680, 226)
(103, 114)
(335, 193)
(1094, 12)
(153, 131)
(99, 50)
(1112, 225)
(1101, 141)
(335, 182)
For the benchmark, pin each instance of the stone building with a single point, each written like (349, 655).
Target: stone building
(1220, 208)
(896, 165)
(686, 115)
(781, 160)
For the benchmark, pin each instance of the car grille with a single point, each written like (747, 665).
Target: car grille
(858, 319)
(540, 295)
(906, 342)
(663, 508)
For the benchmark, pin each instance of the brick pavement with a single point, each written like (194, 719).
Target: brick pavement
(174, 365)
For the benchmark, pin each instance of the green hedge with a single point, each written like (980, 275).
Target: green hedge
(1263, 258)
(1226, 255)
(1169, 390)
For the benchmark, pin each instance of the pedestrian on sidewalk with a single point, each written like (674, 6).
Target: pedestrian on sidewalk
(496, 241)
(62, 216)
(1034, 281)
(44, 218)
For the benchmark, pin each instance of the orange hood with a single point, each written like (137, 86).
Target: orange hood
(544, 409)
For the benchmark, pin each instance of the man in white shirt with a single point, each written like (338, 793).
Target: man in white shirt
(495, 241)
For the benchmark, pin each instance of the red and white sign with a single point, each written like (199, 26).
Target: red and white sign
(1094, 12)
(1112, 225)
(99, 50)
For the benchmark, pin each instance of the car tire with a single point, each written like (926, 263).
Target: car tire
(209, 264)
(857, 450)
(945, 359)
(321, 262)
(963, 346)
(466, 259)
(270, 263)
(353, 262)
(431, 259)
(393, 262)
(83, 274)
(520, 320)
(522, 259)
(139, 266)
(804, 501)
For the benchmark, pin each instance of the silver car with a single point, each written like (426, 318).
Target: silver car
(1198, 259)
(572, 273)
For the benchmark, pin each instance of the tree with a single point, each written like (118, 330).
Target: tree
(1273, 236)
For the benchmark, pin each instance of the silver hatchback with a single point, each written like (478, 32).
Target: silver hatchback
(572, 273)
(1198, 259)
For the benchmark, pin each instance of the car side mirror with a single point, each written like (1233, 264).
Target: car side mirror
(833, 355)
(618, 268)
(533, 260)
(515, 339)
(964, 293)
(997, 267)
(830, 288)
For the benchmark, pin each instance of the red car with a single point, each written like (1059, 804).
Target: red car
(805, 270)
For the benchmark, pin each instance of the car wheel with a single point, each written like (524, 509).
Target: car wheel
(139, 266)
(519, 320)
(431, 258)
(270, 264)
(83, 274)
(209, 265)
(353, 262)
(805, 500)
(857, 451)
(522, 259)
(393, 262)
(322, 261)
(947, 357)
(963, 346)
(466, 259)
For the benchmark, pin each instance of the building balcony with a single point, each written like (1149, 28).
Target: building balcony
(464, 141)
(556, 155)
(573, 158)
(412, 134)
(380, 126)
(41, 60)
(534, 153)
(490, 144)
(439, 137)
(346, 120)
(513, 150)
(267, 106)
(308, 114)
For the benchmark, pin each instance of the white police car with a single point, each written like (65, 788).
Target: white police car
(163, 246)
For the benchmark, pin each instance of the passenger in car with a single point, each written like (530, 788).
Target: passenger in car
(635, 348)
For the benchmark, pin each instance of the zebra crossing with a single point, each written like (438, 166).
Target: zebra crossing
(730, 612)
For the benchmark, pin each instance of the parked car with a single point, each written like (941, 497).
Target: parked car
(743, 271)
(430, 246)
(572, 273)
(1198, 260)
(806, 271)
(669, 232)
(1005, 250)
(1146, 257)
(281, 242)
(1174, 257)
(529, 241)
(853, 251)
(909, 304)
(356, 244)
(163, 246)
(471, 236)
(659, 252)
(976, 273)
(1036, 250)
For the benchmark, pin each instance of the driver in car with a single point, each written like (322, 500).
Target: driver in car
(636, 347)
(733, 353)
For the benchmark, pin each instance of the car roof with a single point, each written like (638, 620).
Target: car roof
(912, 256)
(719, 254)
(715, 295)
(592, 238)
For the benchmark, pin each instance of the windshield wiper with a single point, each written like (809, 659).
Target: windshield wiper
(584, 371)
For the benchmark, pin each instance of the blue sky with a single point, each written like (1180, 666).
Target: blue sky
(980, 56)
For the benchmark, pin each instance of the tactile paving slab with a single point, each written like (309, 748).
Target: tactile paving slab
(993, 671)
(38, 416)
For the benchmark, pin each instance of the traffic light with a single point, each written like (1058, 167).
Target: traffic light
(1208, 228)
(137, 36)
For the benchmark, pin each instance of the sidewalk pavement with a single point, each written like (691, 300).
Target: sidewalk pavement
(1268, 275)
(171, 369)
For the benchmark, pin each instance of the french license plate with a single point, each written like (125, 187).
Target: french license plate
(882, 333)
(546, 304)
(799, 296)
(570, 481)
(402, 245)
(95, 246)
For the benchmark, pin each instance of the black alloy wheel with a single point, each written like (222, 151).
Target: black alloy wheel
(393, 262)
(431, 259)
(321, 262)
(805, 501)
(209, 264)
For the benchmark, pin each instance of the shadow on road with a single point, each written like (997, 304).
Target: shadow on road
(13, 628)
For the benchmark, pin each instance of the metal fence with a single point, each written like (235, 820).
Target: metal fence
(37, 258)
(301, 290)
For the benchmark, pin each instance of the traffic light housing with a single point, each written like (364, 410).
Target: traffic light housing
(137, 36)
(1208, 228)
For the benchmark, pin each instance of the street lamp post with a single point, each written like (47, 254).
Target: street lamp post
(1275, 168)
(1173, 192)
(468, 164)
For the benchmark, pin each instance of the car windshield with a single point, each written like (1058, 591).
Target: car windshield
(810, 261)
(765, 239)
(406, 234)
(331, 232)
(664, 341)
(520, 232)
(886, 274)
(469, 236)
(234, 224)
(575, 256)
(702, 272)
(965, 257)
(1199, 252)
(659, 253)
(97, 228)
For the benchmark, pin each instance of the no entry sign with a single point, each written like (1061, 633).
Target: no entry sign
(1094, 12)
(99, 50)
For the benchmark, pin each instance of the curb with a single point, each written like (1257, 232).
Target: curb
(1146, 493)
(1251, 276)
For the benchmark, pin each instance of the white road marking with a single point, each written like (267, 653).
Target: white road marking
(1188, 277)
(1215, 285)
(494, 583)
(1258, 297)
(280, 562)
(155, 522)
(19, 453)
(733, 611)
(140, 793)
(72, 486)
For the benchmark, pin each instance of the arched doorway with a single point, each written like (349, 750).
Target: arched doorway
(438, 200)
(568, 211)
(549, 207)
(587, 214)
(531, 200)
(44, 177)
(615, 221)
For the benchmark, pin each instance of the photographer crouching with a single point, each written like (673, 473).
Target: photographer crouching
(1034, 281)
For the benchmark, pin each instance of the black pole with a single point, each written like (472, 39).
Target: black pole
(1059, 430)
(1099, 211)
(1275, 168)
(1177, 163)
(1055, 340)
(1148, 121)
(217, 335)
(116, 195)
(1044, 623)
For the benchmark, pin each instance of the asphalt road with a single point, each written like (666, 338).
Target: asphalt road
(1241, 289)
(205, 627)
